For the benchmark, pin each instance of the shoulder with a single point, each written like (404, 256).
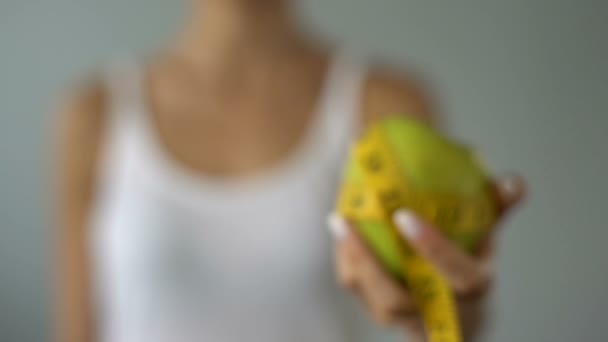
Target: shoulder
(392, 91)
(82, 109)
(78, 132)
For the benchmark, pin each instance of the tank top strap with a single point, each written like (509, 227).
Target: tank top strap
(125, 133)
(123, 79)
(341, 105)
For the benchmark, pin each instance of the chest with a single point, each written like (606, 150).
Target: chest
(240, 129)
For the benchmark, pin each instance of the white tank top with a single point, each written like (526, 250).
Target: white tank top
(180, 257)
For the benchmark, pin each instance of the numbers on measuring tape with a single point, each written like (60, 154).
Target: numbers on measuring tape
(440, 330)
(391, 199)
(374, 163)
(356, 201)
(439, 326)
(450, 212)
(425, 287)
(444, 214)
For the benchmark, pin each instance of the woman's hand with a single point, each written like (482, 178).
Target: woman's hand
(387, 300)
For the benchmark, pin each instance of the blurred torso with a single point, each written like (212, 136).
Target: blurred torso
(209, 225)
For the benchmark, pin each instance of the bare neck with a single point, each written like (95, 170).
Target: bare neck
(223, 33)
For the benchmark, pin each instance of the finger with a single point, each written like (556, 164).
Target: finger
(462, 271)
(388, 299)
(486, 249)
(345, 271)
(358, 269)
(509, 191)
(354, 246)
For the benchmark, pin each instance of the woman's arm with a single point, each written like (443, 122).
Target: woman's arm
(78, 137)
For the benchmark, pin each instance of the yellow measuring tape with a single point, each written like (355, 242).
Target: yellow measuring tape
(401, 163)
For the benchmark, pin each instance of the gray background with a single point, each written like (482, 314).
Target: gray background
(525, 80)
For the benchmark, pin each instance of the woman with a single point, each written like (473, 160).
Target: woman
(193, 189)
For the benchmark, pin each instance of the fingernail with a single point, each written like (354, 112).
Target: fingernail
(509, 185)
(407, 223)
(337, 226)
